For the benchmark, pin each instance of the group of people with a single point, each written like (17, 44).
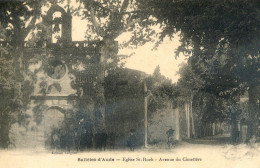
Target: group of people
(65, 139)
(86, 140)
(131, 141)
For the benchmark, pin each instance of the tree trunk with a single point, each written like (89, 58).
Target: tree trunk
(199, 130)
(192, 120)
(145, 117)
(177, 124)
(221, 128)
(209, 129)
(234, 130)
(187, 119)
(254, 109)
(108, 50)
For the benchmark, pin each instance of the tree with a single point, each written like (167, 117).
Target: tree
(107, 20)
(205, 108)
(17, 20)
(110, 19)
(189, 84)
(215, 29)
(162, 92)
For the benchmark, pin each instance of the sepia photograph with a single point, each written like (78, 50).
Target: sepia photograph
(129, 83)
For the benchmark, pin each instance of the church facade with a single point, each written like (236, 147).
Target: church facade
(67, 73)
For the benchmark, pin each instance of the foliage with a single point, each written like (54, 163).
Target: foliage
(214, 29)
(208, 106)
(108, 20)
(17, 20)
(15, 16)
(189, 82)
(210, 109)
(224, 36)
(116, 17)
(162, 91)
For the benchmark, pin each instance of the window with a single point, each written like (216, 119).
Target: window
(56, 69)
(56, 27)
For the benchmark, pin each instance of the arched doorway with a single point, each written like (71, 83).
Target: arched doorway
(52, 121)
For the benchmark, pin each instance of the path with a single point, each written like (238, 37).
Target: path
(211, 140)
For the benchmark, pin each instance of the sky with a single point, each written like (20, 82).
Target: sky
(144, 58)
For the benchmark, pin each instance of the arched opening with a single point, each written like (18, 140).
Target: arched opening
(52, 121)
(56, 27)
(59, 25)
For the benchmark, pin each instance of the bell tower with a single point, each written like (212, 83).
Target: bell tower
(59, 25)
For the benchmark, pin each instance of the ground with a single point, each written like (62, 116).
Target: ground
(210, 152)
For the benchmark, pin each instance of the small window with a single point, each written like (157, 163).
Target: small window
(56, 27)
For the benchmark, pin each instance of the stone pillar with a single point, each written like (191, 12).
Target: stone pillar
(145, 117)
(177, 124)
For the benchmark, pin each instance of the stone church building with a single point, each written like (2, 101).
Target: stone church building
(61, 81)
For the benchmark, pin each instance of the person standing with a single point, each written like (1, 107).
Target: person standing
(170, 138)
(131, 142)
(170, 133)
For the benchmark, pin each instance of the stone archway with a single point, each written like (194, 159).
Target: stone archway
(63, 21)
(52, 120)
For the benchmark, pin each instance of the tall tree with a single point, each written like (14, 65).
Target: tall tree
(213, 29)
(162, 92)
(110, 19)
(190, 84)
(17, 20)
(107, 20)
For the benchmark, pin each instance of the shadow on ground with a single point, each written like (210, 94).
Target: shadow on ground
(211, 140)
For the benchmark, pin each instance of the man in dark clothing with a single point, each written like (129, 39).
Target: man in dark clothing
(131, 142)
(100, 140)
(68, 140)
(89, 139)
(170, 133)
(170, 137)
(112, 140)
(103, 140)
(55, 139)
